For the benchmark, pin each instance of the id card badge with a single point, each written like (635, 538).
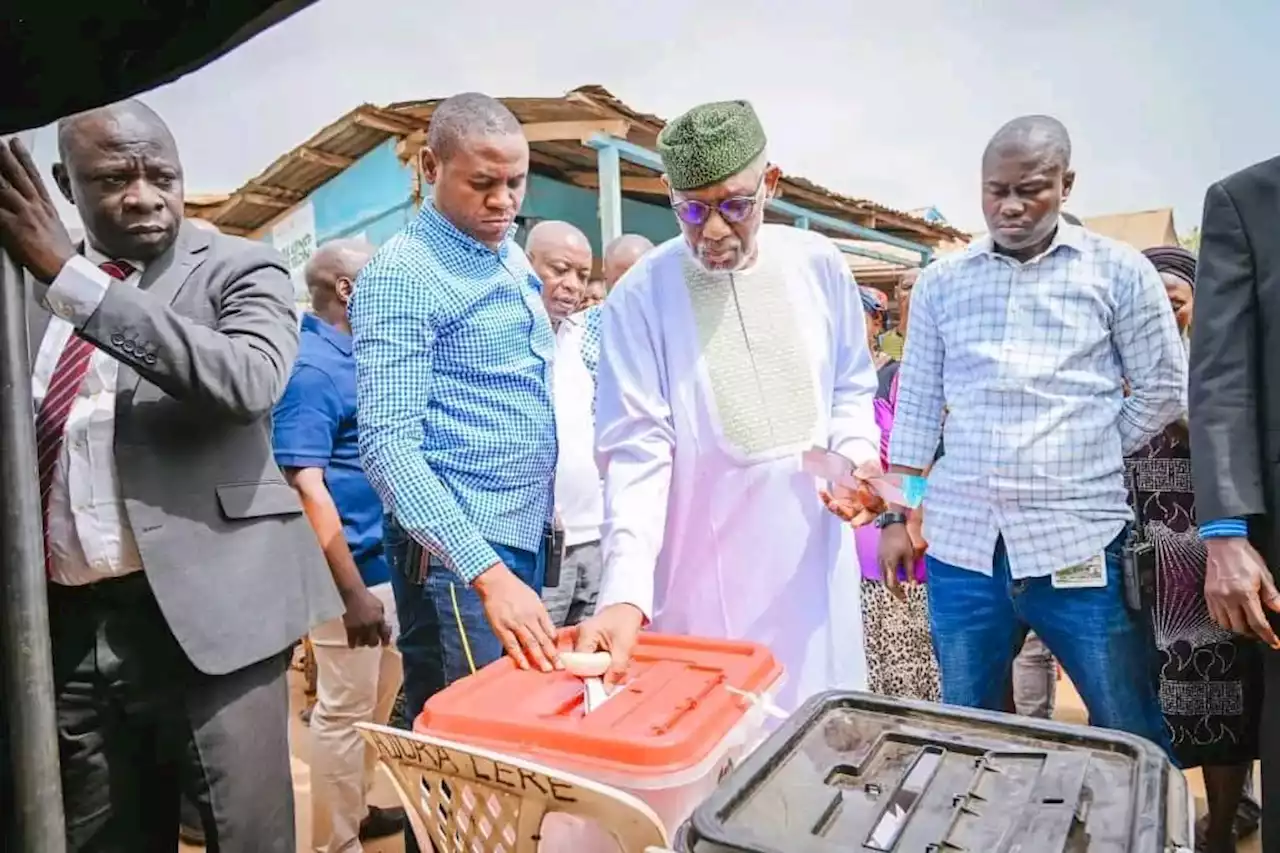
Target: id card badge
(1091, 574)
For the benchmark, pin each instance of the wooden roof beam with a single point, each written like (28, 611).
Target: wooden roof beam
(385, 122)
(574, 131)
(630, 183)
(264, 200)
(407, 149)
(324, 158)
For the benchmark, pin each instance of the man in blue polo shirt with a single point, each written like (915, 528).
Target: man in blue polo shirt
(358, 670)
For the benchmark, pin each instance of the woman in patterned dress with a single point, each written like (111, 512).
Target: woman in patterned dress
(1210, 679)
(899, 648)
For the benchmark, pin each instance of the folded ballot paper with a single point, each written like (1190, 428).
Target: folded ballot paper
(901, 489)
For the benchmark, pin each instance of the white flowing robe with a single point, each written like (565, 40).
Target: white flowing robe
(711, 385)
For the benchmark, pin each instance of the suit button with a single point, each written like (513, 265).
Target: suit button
(127, 346)
(149, 358)
(117, 339)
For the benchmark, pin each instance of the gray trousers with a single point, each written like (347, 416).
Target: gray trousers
(1035, 679)
(574, 598)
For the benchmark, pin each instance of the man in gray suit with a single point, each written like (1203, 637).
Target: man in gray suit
(181, 568)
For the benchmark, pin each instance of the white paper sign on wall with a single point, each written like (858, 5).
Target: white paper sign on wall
(294, 237)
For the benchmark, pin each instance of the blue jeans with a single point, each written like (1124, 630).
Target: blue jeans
(432, 629)
(1107, 650)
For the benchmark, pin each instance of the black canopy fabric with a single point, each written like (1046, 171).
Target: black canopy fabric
(60, 58)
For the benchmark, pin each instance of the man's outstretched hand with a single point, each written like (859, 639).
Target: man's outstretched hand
(615, 630)
(857, 506)
(519, 618)
(1237, 586)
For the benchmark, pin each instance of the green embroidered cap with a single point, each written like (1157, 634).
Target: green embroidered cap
(710, 143)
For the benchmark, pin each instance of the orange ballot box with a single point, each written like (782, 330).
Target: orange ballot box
(688, 709)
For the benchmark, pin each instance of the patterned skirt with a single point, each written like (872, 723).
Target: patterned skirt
(900, 659)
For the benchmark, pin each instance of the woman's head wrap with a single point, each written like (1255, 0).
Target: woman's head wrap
(1175, 260)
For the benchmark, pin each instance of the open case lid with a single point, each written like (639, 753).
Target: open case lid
(672, 712)
(855, 772)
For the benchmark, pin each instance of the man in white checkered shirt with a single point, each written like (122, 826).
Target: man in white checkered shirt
(1026, 339)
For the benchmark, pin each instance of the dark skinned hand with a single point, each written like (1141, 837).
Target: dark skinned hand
(30, 229)
(519, 619)
(1237, 586)
(615, 630)
(896, 553)
(365, 621)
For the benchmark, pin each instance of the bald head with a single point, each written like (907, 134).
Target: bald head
(331, 277)
(561, 256)
(1035, 134)
(621, 255)
(132, 113)
(119, 166)
(1026, 178)
(468, 116)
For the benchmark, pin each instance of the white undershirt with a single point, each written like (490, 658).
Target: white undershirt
(89, 534)
(579, 495)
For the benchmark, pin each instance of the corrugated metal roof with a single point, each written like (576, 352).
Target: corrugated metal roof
(293, 176)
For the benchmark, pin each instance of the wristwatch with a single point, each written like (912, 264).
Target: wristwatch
(885, 519)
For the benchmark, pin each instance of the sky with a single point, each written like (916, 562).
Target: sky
(887, 101)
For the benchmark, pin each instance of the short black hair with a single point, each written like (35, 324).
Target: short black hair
(1033, 132)
(467, 115)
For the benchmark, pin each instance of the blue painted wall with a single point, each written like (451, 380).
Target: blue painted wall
(374, 196)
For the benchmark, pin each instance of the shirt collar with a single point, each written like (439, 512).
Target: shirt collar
(98, 259)
(336, 338)
(1071, 236)
(437, 223)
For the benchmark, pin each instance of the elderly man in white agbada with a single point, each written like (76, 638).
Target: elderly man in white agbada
(725, 354)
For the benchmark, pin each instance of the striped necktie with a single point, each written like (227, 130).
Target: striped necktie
(60, 395)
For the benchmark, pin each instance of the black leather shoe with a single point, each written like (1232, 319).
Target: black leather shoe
(382, 823)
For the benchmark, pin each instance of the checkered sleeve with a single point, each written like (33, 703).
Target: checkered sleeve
(394, 335)
(917, 420)
(1151, 354)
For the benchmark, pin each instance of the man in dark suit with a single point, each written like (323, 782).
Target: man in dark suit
(1235, 429)
(181, 567)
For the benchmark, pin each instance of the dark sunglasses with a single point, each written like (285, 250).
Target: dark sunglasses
(735, 209)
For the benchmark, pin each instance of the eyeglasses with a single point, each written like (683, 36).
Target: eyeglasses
(734, 209)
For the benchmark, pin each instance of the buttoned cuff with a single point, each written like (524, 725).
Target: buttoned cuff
(77, 291)
(912, 451)
(466, 552)
(1225, 528)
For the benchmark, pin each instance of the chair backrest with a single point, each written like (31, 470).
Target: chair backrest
(464, 799)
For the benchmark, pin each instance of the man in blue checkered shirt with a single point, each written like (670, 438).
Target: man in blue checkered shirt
(453, 354)
(1026, 340)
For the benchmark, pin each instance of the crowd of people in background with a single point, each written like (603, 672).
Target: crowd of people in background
(468, 445)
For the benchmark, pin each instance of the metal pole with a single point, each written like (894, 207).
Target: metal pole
(27, 664)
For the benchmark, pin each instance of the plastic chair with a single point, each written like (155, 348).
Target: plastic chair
(463, 799)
